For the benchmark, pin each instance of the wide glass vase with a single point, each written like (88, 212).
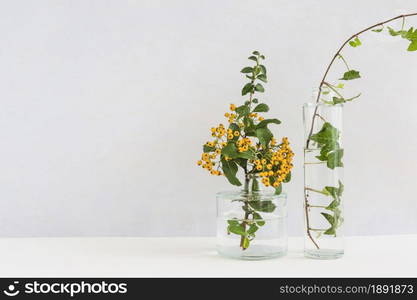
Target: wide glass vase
(323, 181)
(251, 223)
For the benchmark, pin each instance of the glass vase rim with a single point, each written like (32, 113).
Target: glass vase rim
(314, 104)
(267, 193)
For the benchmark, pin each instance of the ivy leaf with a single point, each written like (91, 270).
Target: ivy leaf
(334, 159)
(247, 88)
(412, 46)
(255, 53)
(263, 206)
(265, 122)
(350, 75)
(247, 70)
(253, 58)
(230, 169)
(337, 100)
(230, 150)
(393, 32)
(329, 218)
(259, 88)
(262, 77)
(208, 149)
(262, 107)
(330, 231)
(327, 134)
(335, 192)
(264, 135)
(255, 100)
(355, 42)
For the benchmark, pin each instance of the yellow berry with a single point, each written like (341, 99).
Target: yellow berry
(258, 167)
(236, 133)
(232, 107)
(199, 162)
(263, 161)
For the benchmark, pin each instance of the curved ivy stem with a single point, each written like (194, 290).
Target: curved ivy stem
(338, 53)
(323, 82)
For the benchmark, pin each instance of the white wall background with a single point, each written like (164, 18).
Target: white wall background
(105, 105)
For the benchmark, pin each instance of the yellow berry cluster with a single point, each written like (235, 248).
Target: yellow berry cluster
(275, 169)
(207, 160)
(272, 163)
(244, 144)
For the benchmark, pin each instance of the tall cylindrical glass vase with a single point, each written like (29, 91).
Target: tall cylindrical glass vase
(323, 181)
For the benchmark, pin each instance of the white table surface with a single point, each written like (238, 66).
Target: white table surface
(377, 256)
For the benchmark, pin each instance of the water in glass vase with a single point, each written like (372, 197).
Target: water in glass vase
(323, 209)
(270, 241)
(251, 226)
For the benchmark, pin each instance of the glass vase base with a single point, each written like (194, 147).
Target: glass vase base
(254, 252)
(323, 254)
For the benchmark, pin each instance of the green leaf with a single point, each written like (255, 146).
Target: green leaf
(247, 89)
(236, 229)
(412, 46)
(329, 218)
(230, 169)
(335, 192)
(262, 107)
(378, 30)
(334, 159)
(233, 222)
(247, 70)
(263, 206)
(255, 53)
(258, 219)
(337, 100)
(265, 122)
(355, 42)
(263, 69)
(259, 88)
(208, 149)
(330, 231)
(327, 134)
(253, 58)
(242, 110)
(230, 150)
(252, 229)
(241, 162)
(262, 77)
(246, 155)
(264, 135)
(278, 189)
(255, 185)
(393, 32)
(245, 244)
(255, 100)
(350, 75)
